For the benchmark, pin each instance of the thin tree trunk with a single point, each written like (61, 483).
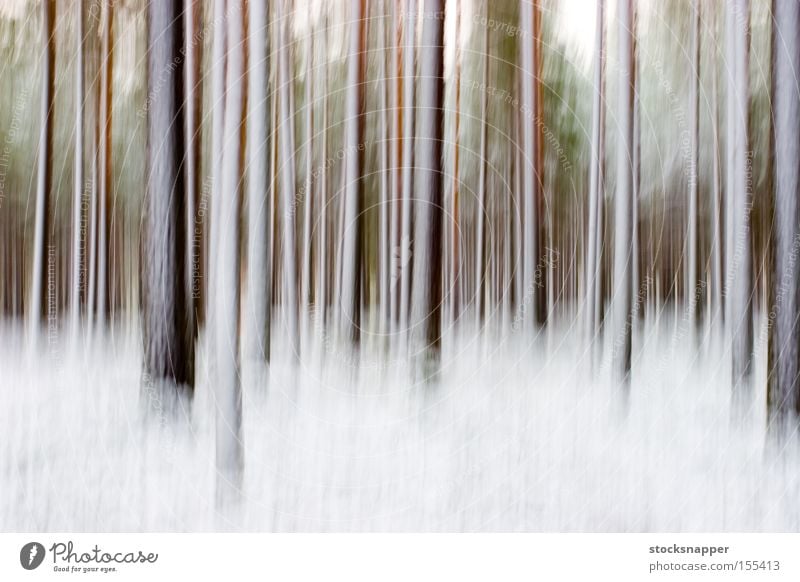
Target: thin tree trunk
(104, 170)
(482, 211)
(228, 391)
(730, 140)
(742, 288)
(259, 183)
(395, 101)
(455, 267)
(694, 123)
(784, 390)
(716, 249)
(321, 296)
(308, 199)
(385, 196)
(530, 179)
(193, 106)
(77, 200)
(427, 294)
(287, 182)
(409, 78)
(218, 57)
(596, 162)
(353, 218)
(42, 278)
(623, 202)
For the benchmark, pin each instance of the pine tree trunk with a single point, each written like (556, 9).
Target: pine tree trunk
(531, 177)
(694, 127)
(593, 252)
(193, 107)
(287, 182)
(716, 227)
(169, 343)
(405, 249)
(784, 390)
(623, 203)
(353, 217)
(77, 200)
(428, 241)
(259, 182)
(228, 390)
(742, 287)
(307, 198)
(104, 165)
(42, 279)
(482, 210)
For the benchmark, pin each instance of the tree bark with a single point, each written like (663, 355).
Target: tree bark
(783, 400)
(623, 203)
(427, 283)
(259, 183)
(228, 390)
(169, 342)
(42, 278)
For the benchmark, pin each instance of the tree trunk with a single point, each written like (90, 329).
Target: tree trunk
(169, 343)
(691, 283)
(193, 43)
(104, 169)
(353, 218)
(531, 177)
(42, 277)
(307, 198)
(385, 200)
(77, 200)
(742, 287)
(783, 400)
(427, 283)
(287, 182)
(623, 203)
(482, 210)
(259, 182)
(228, 391)
(404, 251)
(716, 227)
(593, 268)
(455, 259)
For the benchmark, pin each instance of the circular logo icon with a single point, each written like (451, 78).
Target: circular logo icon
(31, 555)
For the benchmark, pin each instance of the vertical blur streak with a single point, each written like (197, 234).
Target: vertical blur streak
(427, 278)
(785, 344)
(623, 201)
(287, 180)
(742, 291)
(38, 304)
(595, 161)
(259, 191)
(408, 110)
(694, 127)
(104, 194)
(351, 253)
(228, 391)
(75, 290)
(482, 210)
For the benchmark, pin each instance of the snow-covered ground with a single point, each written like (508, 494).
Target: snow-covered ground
(508, 437)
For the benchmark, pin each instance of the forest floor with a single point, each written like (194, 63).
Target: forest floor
(509, 437)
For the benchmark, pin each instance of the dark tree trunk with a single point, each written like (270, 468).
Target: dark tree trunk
(427, 277)
(168, 338)
(43, 278)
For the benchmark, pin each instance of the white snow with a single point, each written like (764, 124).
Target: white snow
(507, 438)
